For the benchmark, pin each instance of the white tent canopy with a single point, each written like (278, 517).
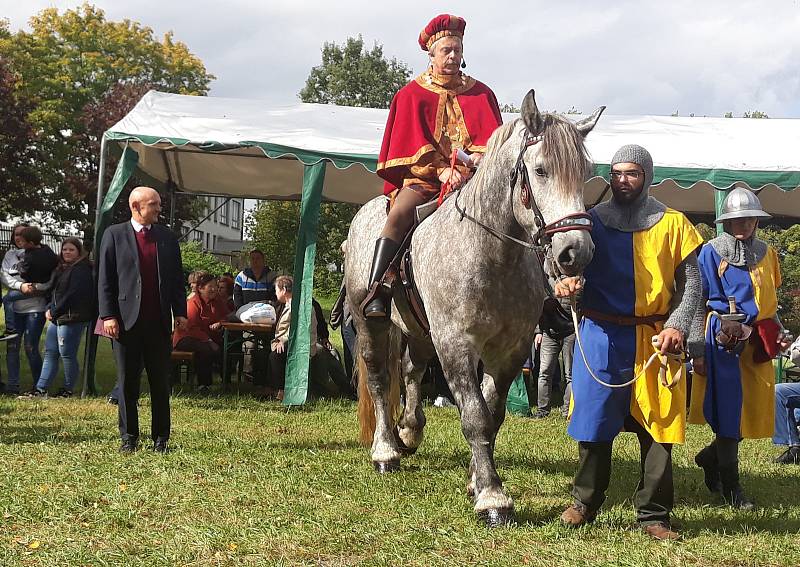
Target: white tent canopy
(216, 145)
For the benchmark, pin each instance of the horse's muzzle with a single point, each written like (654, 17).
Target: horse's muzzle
(572, 251)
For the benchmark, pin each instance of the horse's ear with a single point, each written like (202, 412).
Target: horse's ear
(530, 114)
(587, 124)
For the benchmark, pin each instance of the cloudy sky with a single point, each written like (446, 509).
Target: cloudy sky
(636, 57)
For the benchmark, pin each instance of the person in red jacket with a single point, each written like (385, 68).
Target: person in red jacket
(203, 335)
(440, 112)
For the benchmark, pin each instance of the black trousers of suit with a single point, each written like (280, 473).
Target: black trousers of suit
(145, 346)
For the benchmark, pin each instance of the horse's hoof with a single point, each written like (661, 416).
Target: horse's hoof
(384, 467)
(496, 517)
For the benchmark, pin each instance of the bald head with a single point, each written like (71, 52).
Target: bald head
(145, 205)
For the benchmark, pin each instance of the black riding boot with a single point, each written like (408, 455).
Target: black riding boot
(381, 298)
(732, 490)
(708, 461)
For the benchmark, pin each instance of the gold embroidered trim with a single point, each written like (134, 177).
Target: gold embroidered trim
(406, 160)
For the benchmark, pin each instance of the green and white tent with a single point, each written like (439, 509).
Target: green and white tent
(311, 152)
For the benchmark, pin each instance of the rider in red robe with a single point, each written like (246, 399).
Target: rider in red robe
(439, 112)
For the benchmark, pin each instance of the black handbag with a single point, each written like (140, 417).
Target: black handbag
(555, 322)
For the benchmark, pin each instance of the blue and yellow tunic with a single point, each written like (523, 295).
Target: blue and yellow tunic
(737, 397)
(631, 274)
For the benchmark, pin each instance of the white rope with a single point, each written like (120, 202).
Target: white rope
(663, 360)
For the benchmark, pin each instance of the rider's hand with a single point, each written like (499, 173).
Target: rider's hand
(475, 159)
(669, 341)
(567, 287)
(453, 177)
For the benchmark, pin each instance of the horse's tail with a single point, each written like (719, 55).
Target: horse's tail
(366, 407)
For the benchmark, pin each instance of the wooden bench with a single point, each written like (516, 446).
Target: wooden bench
(182, 362)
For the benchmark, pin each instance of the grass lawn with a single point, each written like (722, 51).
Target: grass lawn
(249, 483)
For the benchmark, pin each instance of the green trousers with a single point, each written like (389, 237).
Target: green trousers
(654, 496)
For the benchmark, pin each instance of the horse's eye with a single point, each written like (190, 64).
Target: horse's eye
(540, 172)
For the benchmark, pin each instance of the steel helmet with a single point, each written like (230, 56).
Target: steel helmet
(741, 203)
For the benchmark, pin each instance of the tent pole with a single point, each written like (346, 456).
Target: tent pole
(719, 199)
(297, 359)
(172, 207)
(90, 348)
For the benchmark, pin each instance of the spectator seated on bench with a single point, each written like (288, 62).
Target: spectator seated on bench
(203, 334)
(279, 345)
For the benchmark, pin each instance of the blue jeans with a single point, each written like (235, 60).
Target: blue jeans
(61, 341)
(787, 403)
(8, 306)
(30, 326)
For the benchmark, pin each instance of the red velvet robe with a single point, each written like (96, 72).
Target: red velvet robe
(416, 121)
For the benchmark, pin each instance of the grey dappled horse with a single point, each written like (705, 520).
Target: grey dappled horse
(483, 291)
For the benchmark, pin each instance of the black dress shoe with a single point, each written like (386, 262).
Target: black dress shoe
(160, 447)
(128, 446)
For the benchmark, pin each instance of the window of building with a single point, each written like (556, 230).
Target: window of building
(236, 214)
(223, 211)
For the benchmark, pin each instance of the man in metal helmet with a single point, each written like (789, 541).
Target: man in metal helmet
(734, 382)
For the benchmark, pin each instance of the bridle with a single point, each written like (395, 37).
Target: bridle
(544, 231)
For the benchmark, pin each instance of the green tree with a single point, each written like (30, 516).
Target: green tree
(787, 243)
(68, 63)
(19, 156)
(195, 259)
(352, 76)
(273, 229)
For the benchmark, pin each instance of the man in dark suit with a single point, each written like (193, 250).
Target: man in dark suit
(140, 288)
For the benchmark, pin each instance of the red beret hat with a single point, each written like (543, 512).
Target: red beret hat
(441, 26)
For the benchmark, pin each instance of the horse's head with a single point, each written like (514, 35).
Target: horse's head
(551, 167)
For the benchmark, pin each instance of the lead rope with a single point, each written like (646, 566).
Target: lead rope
(663, 360)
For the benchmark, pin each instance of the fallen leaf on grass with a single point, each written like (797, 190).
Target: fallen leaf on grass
(233, 546)
(123, 487)
(35, 544)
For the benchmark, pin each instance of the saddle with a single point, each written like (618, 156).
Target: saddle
(402, 266)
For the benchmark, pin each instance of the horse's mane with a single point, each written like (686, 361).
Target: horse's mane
(562, 149)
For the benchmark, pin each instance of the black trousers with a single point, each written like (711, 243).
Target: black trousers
(145, 346)
(654, 496)
(277, 370)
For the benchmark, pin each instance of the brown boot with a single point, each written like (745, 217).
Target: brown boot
(577, 515)
(661, 531)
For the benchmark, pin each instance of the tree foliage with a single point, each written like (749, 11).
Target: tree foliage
(352, 76)
(194, 259)
(787, 243)
(19, 155)
(71, 65)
